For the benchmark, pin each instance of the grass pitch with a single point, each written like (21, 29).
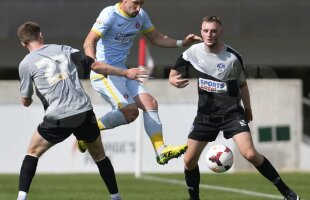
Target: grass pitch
(236, 186)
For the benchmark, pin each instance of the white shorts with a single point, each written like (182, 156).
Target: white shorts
(117, 91)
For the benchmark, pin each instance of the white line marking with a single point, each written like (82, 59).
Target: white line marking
(205, 186)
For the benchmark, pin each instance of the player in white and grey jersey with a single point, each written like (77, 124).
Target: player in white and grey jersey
(52, 69)
(221, 88)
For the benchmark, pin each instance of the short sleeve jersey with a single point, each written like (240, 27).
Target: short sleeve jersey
(118, 31)
(220, 77)
(54, 75)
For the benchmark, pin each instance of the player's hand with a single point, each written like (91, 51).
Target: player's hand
(248, 115)
(136, 74)
(190, 39)
(178, 82)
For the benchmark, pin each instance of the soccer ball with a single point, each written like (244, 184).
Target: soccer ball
(219, 158)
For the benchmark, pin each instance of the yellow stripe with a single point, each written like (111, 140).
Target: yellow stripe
(148, 30)
(97, 32)
(157, 140)
(121, 11)
(109, 88)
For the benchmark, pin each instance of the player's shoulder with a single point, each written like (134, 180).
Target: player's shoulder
(232, 50)
(195, 47)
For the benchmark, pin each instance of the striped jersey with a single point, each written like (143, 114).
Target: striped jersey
(54, 75)
(220, 77)
(118, 31)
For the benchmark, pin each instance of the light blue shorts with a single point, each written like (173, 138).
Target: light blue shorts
(117, 91)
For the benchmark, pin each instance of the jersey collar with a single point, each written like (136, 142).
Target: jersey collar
(121, 11)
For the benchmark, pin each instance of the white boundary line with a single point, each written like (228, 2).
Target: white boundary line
(205, 186)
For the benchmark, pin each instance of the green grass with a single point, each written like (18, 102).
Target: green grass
(90, 186)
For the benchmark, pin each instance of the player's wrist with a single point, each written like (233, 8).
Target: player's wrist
(179, 43)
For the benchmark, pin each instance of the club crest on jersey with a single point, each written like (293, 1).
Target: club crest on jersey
(138, 25)
(212, 86)
(220, 67)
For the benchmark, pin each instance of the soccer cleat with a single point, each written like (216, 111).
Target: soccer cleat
(169, 153)
(81, 146)
(291, 195)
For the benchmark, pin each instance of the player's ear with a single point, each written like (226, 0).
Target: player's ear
(23, 44)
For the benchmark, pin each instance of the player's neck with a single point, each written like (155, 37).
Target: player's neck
(215, 49)
(35, 45)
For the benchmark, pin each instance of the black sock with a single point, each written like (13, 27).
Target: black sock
(192, 178)
(107, 174)
(269, 172)
(27, 172)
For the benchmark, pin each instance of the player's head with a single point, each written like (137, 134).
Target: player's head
(132, 7)
(28, 32)
(211, 30)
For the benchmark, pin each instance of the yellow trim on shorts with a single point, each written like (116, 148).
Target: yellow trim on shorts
(109, 88)
(97, 32)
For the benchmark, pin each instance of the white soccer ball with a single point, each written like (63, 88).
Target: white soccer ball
(219, 158)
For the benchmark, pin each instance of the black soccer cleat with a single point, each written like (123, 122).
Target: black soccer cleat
(291, 195)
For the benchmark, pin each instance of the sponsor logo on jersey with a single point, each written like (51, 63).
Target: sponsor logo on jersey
(242, 122)
(124, 38)
(212, 86)
(99, 21)
(220, 67)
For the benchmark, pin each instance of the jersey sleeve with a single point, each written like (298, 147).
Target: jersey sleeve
(182, 66)
(103, 22)
(147, 25)
(26, 82)
(83, 63)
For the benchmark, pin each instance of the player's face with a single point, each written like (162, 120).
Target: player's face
(211, 33)
(132, 7)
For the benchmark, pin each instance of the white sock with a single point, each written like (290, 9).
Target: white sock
(115, 196)
(22, 195)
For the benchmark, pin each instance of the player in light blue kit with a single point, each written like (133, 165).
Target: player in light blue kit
(109, 41)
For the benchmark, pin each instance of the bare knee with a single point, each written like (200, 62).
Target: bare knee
(254, 157)
(130, 112)
(190, 162)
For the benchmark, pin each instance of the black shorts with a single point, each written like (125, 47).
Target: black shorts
(83, 126)
(207, 128)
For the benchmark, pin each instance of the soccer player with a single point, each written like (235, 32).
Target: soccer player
(52, 70)
(221, 88)
(110, 40)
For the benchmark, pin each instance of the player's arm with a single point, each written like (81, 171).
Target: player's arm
(176, 76)
(105, 69)
(245, 96)
(90, 44)
(159, 39)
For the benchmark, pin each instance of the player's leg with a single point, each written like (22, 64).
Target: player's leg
(114, 91)
(153, 128)
(246, 147)
(105, 167)
(191, 168)
(90, 133)
(124, 111)
(38, 145)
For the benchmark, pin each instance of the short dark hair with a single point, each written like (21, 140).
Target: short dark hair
(29, 31)
(212, 18)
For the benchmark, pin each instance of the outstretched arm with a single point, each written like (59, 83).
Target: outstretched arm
(90, 44)
(159, 39)
(105, 69)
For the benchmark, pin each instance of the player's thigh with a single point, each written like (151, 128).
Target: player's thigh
(38, 145)
(88, 130)
(194, 150)
(113, 90)
(244, 142)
